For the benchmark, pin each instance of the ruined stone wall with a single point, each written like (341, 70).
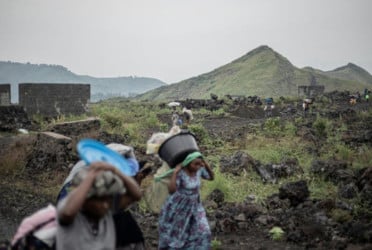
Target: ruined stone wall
(54, 99)
(4, 94)
(13, 117)
(310, 91)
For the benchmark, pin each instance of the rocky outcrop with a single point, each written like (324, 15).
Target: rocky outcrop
(51, 151)
(12, 118)
(76, 128)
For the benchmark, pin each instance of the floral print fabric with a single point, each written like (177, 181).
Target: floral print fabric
(183, 222)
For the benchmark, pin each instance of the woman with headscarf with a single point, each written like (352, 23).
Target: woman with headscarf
(183, 222)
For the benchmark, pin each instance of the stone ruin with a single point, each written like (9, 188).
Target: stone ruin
(13, 117)
(310, 90)
(48, 100)
(55, 148)
(52, 100)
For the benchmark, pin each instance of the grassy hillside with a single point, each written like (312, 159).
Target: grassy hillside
(262, 72)
(350, 72)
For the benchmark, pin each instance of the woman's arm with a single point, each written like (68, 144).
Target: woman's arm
(209, 170)
(172, 186)
(75, 200)
(133, 192)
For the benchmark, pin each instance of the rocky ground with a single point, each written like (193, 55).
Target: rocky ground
(308, 223)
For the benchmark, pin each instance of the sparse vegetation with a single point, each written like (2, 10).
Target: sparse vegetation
(274, 143)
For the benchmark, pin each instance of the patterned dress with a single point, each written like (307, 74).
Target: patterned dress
(183, 222)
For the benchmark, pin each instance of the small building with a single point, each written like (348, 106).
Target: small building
(52, 100)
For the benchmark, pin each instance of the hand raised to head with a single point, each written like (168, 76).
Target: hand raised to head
(99, 166)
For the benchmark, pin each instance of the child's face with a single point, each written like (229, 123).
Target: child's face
(196, 164)
(97, 207)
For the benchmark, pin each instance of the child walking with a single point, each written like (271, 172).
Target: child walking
(85, 218)
(183, 222)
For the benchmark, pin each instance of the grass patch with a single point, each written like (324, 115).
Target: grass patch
(320, 189)
(275, 150)
(237, 188)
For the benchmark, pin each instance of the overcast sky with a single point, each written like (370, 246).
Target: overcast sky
(173, 40)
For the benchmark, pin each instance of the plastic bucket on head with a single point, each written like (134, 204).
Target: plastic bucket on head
(175, 148)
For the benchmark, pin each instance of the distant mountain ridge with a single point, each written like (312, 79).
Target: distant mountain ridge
(351, 72)
(101, 88)
(262, 72)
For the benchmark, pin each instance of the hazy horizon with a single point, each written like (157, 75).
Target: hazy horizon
(173, 40)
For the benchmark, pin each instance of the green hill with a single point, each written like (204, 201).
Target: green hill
(262, 72)
(101, 88)
(350, 72)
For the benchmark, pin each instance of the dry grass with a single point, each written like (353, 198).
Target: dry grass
(14, 172)
(14, 159)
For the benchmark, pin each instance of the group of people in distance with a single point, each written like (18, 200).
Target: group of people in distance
(354, 98)
(309, 101)
(92, 207)
(269, 106)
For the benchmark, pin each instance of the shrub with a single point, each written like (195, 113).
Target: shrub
(344, 152)
(272, 127)
(112, 121)
(276, 233)
(341, 216)
(290, 129)
(216, 244)
(200, 133)
(321, 126)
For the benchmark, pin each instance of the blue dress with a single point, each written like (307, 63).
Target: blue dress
(183, 222)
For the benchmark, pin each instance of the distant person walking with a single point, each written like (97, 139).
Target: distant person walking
(269, 107)
(306, 105)
(366, 94)
(352, 100)
(187, 114)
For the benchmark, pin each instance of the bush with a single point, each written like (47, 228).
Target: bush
(216, 244)
(341, 216)
(200, 133)
(321, 126)
(112, 121)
